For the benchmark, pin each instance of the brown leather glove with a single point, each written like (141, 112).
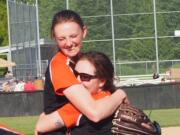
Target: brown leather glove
(128, 121)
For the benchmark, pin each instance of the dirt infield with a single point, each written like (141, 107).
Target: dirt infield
(171, 131)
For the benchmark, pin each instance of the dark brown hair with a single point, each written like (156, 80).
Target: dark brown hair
(65, 16)
(104, 68)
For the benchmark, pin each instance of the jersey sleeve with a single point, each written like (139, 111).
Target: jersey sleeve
(61, 74)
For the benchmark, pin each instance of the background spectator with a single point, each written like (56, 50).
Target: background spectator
(39, 84)
(19, 86)
(29, 86)
(8, 74)
(6, 86)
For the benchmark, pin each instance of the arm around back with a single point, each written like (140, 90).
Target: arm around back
(95, 110)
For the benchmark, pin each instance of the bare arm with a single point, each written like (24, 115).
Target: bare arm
(48, 122)
(54, 121)
(95, 110)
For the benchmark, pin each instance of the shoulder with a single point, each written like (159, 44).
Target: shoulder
(59, 60)
(58, 57)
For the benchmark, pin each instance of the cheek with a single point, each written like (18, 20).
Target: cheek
(60, 44)
(87, 85)
(91, 86)
(78, 39)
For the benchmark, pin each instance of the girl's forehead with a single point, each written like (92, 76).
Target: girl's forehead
(67, 28)
(67, 25)
(85, 65)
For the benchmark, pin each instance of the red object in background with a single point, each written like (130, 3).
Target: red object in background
(29, 86)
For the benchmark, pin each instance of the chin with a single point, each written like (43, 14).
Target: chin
(71, 54)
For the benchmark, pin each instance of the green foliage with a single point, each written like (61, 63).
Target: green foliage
(132, 6)
(3, 24)
(132, 19)
(102, 29)
(167, 5)
(132, 26)
(26, 1)
(139, 50)
(135, 69)
(90, 7)
(47, 8)
(167, 23)
(105, 47)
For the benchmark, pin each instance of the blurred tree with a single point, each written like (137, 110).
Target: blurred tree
(132, 19)
(3, 24)
(47, 8)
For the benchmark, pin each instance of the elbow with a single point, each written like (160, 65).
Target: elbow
(39, 129)
(95, 116)
(95, 119)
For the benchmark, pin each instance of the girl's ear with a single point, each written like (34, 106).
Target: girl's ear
(84, 31)
(102, 83)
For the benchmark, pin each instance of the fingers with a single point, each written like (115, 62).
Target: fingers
(126, 101)
(146, 126)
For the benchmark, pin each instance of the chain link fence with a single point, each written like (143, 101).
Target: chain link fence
(138, 35)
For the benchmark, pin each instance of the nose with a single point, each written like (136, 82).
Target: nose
(68, 42)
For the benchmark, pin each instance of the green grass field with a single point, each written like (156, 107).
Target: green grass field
(166, 118)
